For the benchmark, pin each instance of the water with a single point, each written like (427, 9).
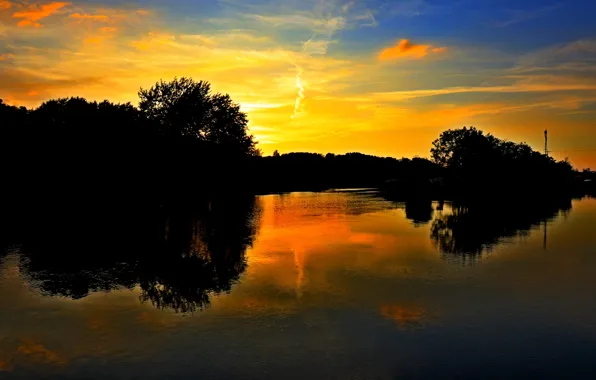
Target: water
(336, 285)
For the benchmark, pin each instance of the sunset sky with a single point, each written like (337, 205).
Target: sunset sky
(382, 77)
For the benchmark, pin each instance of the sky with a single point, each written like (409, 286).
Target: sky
(381, 77)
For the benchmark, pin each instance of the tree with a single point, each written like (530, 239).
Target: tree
(187, 108)
(455, 149)
(477, 161)
(276, 153)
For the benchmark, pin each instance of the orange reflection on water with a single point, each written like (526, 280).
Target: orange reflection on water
(291, 233)
(31, 351)
(5, 366)
(310, 244)
(404, 316)
(39, 353)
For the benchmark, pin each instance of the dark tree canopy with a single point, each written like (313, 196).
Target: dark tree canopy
(457, 148)
(184, 107)
(478, 162)
(184, 142)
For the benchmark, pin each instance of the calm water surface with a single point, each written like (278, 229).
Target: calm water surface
(335, 285)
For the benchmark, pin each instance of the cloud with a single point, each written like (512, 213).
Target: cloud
(33, 14)
(153, 40)
(520, 87)
(323, 22)
(579, 54)
(445, 114)
(102, 34)
(5, 4)
(518, 16)
(227, 39)
(368, 18)
(305, 21)
(107, 29)
(31, 86)
(317, 46)
(86, 16)
(406, 8)
(406, 49)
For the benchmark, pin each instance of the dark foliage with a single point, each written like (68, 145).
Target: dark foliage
(478, 164)
(100, 154)
(184, 142)
(187, 108)
(312, 171)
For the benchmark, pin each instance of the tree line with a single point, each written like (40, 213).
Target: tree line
(183, 142)
(477, 164)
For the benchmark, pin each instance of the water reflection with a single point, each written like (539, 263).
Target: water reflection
(463, 233)
(346, 282)
(178, 258)
(419, 210)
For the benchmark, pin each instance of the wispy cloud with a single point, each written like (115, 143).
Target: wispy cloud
(516, 88)
(406, 49)
(576, 53)
(518, 16)
(367, 19)
(35, 13)
(322, 22)
(305, 21)
(87, 16)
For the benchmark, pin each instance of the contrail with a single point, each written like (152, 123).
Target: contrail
(300, 96)
(327, 28)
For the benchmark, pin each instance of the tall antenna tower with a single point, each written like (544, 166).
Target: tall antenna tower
(546, 142)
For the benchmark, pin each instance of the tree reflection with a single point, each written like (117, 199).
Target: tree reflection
(202, 255)
(465, 232)
(419, 209)
(178, 257)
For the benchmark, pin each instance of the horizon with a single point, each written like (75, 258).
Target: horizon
(377, 77)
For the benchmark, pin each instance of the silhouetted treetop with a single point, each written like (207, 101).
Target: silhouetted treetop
(187, 108)
(476, 161)
(453, 147)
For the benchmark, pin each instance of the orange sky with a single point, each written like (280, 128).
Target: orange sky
(323, 75)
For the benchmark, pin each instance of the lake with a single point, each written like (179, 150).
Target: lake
(331, 285)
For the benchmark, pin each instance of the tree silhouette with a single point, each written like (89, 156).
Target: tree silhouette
(478, 164)
(455, 149)
(183, 107)
(184, 143)
(313, 171)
